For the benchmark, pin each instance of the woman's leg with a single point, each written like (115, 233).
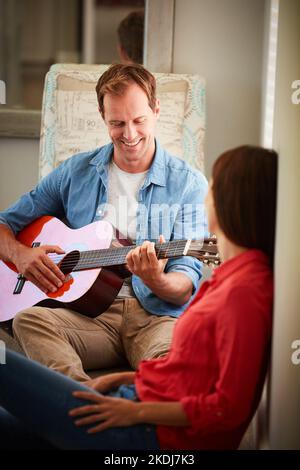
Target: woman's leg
(14, 435)
(41, 398)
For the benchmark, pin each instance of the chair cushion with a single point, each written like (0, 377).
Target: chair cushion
(71, 122)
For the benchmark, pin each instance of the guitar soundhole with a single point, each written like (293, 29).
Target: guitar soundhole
(69, 262)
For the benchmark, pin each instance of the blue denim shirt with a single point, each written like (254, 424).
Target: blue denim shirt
(170, 202)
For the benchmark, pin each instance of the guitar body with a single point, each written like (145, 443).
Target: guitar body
(89, 292)
(93, 262)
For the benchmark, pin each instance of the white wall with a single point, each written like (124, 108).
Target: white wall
(285, 376)
(222, 40)
(18, 168)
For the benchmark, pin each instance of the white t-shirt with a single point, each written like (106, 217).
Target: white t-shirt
(123, 190)
(122, 205)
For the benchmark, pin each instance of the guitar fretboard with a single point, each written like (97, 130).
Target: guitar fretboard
(116, 256)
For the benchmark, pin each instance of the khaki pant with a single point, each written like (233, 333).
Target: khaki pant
(72, 343)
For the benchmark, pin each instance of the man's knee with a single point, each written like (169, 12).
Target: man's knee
(28, 319)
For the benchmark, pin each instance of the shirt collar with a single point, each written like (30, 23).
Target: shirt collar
(156, 173)
(102, 157)
(238, 262)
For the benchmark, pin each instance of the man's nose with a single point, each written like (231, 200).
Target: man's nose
(129, 132)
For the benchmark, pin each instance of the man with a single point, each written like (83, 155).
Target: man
(131, 38)
(159, 190)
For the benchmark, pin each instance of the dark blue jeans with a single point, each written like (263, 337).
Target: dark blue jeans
(35, 403)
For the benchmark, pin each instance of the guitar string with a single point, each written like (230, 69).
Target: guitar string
(114, 252)
(110, 254)
(127, 249)
(92, 256)
(110, 257)
(102, 265)
(94, 265)
(119, 251)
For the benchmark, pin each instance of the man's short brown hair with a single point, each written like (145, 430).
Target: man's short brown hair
(118, 77)
(131, 35)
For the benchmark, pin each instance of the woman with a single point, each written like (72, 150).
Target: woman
(203, 394)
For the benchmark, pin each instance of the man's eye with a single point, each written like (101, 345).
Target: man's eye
(116, 124)
(140, 121)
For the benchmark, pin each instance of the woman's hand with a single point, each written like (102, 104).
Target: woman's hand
(110, 381)
(107, 411)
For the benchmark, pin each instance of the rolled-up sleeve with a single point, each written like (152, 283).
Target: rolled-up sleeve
(187, 265)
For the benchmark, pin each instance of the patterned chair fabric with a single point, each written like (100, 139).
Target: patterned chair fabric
(71, 122)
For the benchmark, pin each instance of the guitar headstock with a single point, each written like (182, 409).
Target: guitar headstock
(205, 250)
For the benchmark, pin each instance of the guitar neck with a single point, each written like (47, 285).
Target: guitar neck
(117, 256)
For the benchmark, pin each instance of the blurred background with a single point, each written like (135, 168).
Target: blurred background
(249, 54)
(35, 34)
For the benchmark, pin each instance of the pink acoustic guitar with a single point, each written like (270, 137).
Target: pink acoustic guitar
(96, 270)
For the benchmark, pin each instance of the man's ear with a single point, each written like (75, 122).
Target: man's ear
(157, 108)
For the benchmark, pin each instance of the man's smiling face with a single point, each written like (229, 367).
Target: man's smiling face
(131, 124)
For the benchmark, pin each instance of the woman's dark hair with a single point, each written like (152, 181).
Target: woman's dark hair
(244, 191)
